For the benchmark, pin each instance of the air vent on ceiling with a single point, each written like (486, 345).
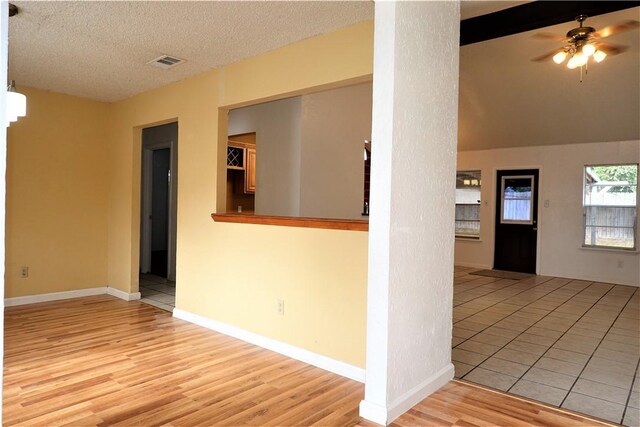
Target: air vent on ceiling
(166, 61)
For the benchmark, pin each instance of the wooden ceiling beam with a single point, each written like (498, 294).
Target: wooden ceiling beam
(533, 16)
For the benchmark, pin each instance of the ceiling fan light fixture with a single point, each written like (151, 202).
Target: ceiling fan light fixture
(599, 55)
(585, 42)
(559, 57)
(588, 49)
(580, 59)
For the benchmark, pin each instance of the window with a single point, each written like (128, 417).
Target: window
(468, 184)
(517, 206)
(609, 206)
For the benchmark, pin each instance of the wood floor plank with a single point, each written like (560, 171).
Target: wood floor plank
(100, 361)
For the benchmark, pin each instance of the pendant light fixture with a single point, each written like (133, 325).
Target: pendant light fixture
(16, 102)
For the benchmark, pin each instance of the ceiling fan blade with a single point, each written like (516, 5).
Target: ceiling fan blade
(610, 49)
(548, 55)
(616, 28)
(549, 36)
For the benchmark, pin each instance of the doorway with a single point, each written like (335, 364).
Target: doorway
(516, 235)
(160, 179)
(158, 205)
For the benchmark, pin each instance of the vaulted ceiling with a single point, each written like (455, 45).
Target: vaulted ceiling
(507, 100)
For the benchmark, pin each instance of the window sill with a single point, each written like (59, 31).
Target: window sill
(289, 221)
(618, 251)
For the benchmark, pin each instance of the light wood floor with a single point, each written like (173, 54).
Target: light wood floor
(102, 361)
(463, 404)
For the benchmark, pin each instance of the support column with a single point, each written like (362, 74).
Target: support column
(411, 237)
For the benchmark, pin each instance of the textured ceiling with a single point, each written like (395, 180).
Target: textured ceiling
(98, 49)
(507, 100)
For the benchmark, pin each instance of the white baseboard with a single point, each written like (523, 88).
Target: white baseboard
(123, 295)
(55, 296)
(318, 360)
(385, 416)
(372, 412)
(590, 278)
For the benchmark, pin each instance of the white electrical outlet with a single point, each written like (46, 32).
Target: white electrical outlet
(281, 307)
(24, 272)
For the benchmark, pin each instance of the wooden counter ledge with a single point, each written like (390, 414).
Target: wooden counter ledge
(290, 221)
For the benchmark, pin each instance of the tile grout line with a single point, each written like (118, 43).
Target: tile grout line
(502, 301)
(598, 346)
(521, 308)
(497, 279)
(149, 300)
(155, 290)
(563, 334)
(529, 327)
(635, 380)
(585, 313)
(517, 282)
(470, 279)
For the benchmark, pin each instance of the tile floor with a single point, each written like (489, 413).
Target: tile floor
(568, 343)
(158, 291)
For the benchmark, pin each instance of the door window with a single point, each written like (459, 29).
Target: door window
(516, 205)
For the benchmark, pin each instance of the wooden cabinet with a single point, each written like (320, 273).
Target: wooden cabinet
(250, 171)
(241, 157)
(236, 156)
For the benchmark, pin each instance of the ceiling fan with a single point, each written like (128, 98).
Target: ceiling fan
(583, 42)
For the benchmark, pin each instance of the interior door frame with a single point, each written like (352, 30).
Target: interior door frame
(494, 207)
(145, 206)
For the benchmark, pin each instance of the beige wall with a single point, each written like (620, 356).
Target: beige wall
(74, 202)
(73, 207)
(235, 273)
(193, 104)
(57, 185)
